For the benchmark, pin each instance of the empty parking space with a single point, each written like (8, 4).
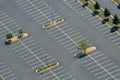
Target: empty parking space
(6, 72)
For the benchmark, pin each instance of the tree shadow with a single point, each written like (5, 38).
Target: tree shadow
(82, 56)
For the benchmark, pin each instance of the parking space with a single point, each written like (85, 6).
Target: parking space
(97, 23)
(30, 51)
(6, 72)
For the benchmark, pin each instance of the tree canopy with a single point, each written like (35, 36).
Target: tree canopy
(82, 44)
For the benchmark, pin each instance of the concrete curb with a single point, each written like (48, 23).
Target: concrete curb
(114, 2)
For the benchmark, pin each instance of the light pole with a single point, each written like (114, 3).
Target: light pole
(52, 17)
(46, 59)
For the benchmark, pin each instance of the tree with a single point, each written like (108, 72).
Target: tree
(9, 35)
(86, 2)
(96, 6)
(116, 20)
(107, 13)
(82, 44)
(21, 31)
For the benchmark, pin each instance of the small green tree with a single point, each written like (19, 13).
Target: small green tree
(107, 13)
(96, 6)
(82, 44)
(116, 20)
(21, 31)
(9, 35)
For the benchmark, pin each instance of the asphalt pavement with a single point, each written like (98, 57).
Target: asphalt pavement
(58, 43)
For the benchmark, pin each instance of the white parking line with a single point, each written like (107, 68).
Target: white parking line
(103, 29)
(3, 66)
(14, 78)
(22, 52)
(99, 55)
(9, 76)
(4, 70)
(102, 76)
(66, 42)
(105, 32)
(21, 49)
(17, 47)
(89, 64)
(115, 71)
(25, 55)
(116, 40)
(101, 26)
(28, 57)
(72, 51)
(36, 66)
(110, 34)
(46, 78)
(57, 69)
(34, 63)
(96, 70)
(60, 71)
(95, 21)
(90, 19)
(31, 60)
(99, 73)
(112, 67)
(57, 34)
(67, 45)
(108, 64)
(117, 75)
(60, 37)
(113, 36)
(64, 74)
(102, 59)
(75, 34)
(68, 78)
(85, 61)
(21, 3)
(72, 47)
(109, 78)
(93, 67)
(6, 73)
(29, 10)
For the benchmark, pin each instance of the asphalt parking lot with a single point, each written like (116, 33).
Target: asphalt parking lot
(66, 35)
(66, 29)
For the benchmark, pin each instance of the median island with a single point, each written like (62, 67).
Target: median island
(83, 48)
(52, 23)
(47, 67)
(10, 38)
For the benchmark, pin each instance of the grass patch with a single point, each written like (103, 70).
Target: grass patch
(44, 68)
(1, 78)
(101, 12)
(118, 1)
